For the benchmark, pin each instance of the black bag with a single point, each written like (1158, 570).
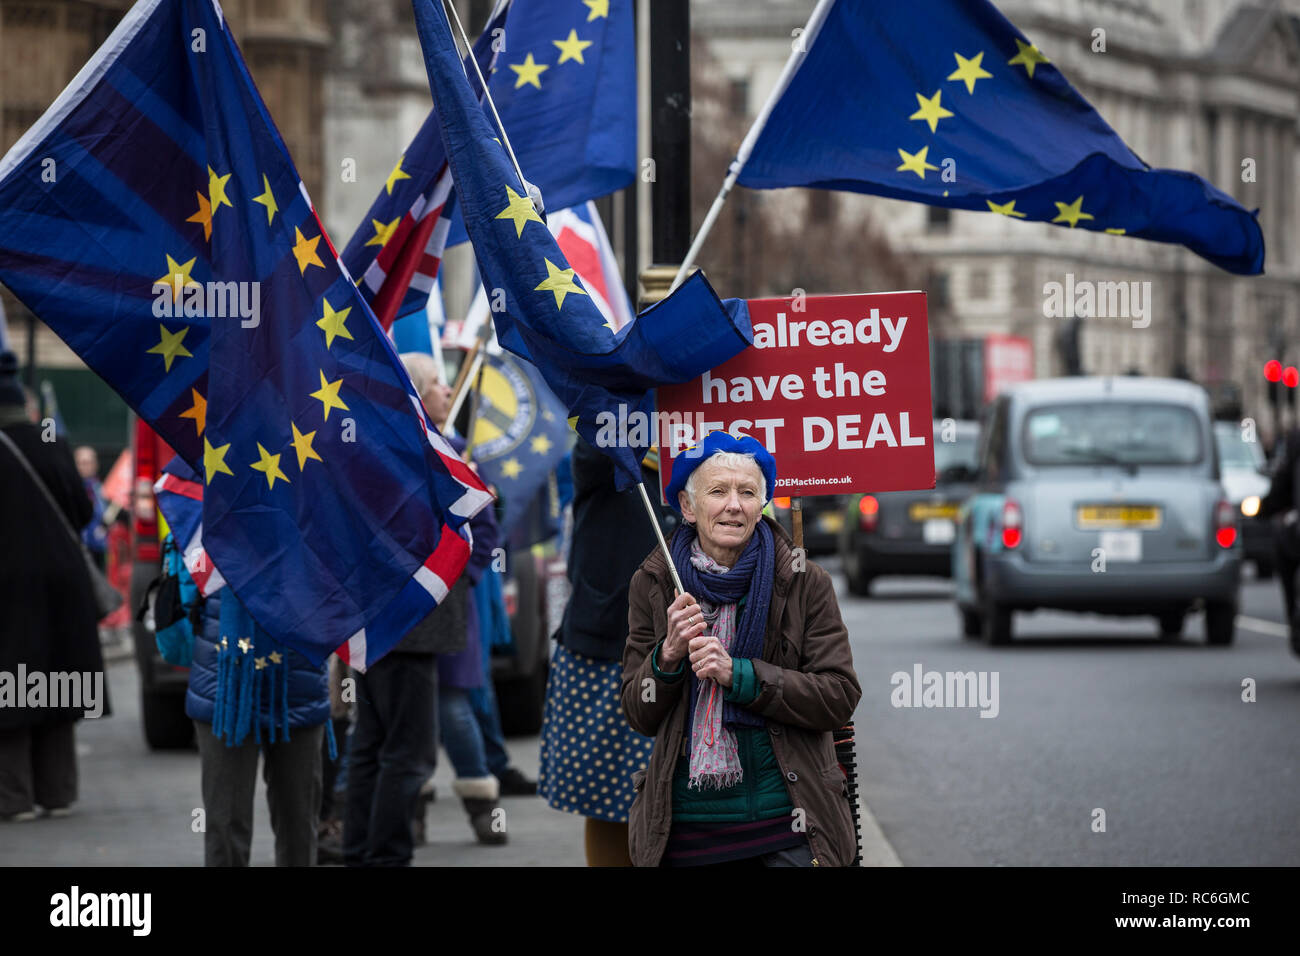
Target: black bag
(107, 598)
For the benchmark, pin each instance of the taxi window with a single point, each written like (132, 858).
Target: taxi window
(1112, 433)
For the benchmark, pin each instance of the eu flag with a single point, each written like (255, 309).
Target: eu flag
(945, 102)
(153, 219)
(545, 314)
(565, 87)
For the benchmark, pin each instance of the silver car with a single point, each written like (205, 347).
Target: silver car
(1103, 495)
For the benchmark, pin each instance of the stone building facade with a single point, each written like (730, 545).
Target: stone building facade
(43, 43)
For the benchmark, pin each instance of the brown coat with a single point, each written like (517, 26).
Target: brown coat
(808, 690)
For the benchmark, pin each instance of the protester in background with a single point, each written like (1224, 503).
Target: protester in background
(329, 831)
(742, 679)
(47, 610)
(1282, 505)
(249, 695)
(460, 672)
(589, 752)
(94, 533)
(394, 747)
(488, 615)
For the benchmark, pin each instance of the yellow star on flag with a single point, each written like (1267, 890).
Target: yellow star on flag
(540, 444)
(1005, 209)
(198, 411)
(328, 393)
(1116, 231)
(204, 216)
(930, 110)
(511, 468)
(302, 445)
(599, 8)
(571, 48)
(968, 71)
(268, 465)
(1071, 212)
(529, 72)
(170, 347)
(559, 281)
(395, 175)
(304, 250)
(214, 460)
(573, 422)
(217, 190)
(520, 211)
(332, 323)
(915, 161)
(178, 276)
(276, 657)
(382, 232)
(1027, 56)
(267, 199)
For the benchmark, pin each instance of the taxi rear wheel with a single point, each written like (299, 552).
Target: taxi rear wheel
(1220, 622)
(1171, 625)
(996, 622)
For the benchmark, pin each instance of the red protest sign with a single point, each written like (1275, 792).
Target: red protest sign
(837, 387)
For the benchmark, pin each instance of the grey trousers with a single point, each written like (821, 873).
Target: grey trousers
(292, 771)
(38, 766)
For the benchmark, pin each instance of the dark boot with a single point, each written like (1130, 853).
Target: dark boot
(487, 819)
(515, 784)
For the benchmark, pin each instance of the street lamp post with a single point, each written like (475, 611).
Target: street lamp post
(670, 145)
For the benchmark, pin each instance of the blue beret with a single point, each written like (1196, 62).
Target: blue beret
(714, 442)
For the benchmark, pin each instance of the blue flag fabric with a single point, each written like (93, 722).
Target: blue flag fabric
(565, 87)
(520, 433)
(154, 220)
(889, 93)
(546, 316)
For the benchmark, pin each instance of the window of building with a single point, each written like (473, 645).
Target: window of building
(738, 97)
(937, 218)
(821, 205)
(977, 284)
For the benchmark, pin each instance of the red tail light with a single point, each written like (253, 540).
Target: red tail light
(1012, 520)
(868, 512)
(782, 502)
(1225, 524)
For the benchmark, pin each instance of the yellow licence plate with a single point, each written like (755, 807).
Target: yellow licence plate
(830, 522)
(925, 511)
(1096, 517)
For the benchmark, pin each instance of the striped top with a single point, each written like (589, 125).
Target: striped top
(701, 844)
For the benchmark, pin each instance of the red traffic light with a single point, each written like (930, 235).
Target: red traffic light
(1290, 376)
(1273, 370)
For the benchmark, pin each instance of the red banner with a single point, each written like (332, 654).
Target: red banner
(837, 387)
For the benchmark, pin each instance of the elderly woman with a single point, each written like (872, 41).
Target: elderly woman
(740, 680)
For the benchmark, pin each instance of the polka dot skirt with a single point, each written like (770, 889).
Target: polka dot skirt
(589, 753)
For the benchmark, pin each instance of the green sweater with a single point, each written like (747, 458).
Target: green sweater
(761, 793)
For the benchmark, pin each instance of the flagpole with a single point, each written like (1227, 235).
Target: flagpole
(467, 372)
(505, 139)
(654, 523)
(796, 59)
(473, 414)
